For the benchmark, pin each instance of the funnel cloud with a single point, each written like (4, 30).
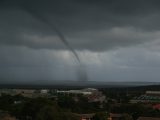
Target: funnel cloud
(82, 75)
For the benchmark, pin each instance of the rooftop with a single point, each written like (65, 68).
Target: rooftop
(148, 118)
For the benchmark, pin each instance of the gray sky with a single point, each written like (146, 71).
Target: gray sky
(116, 40)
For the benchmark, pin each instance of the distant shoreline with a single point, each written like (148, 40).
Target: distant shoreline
(79, 84)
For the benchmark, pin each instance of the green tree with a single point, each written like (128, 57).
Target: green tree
(100, 116)
(48, 113)
(127, 117)
(35, 107)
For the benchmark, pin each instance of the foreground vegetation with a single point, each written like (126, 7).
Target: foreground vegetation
(67, 106)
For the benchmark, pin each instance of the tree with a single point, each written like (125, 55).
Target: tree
(100, 116)
(40, 107)
(48, 113)
(127, 117)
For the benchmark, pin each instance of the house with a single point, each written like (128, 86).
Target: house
(148, 118)
(157, 106)
(113, 116)
(85, 116)
(153, 93)
(116, 116)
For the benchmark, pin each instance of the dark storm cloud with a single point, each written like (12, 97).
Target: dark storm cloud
(87, 24)
(116, 40)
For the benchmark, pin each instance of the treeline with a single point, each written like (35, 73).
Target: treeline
(48, 108)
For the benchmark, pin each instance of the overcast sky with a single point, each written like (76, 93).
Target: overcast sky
(116, 40)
